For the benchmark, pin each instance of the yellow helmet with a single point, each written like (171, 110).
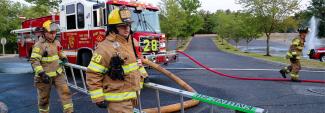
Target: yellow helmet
(120, 16)
(50, 26)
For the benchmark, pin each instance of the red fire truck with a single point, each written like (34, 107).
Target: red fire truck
(83, 25)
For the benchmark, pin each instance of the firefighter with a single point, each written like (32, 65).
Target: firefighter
(294, 54)
(46, 58)
(115, 74)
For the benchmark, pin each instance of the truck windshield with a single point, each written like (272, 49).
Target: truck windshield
(147, 21)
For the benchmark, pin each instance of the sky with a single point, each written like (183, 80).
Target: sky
(213, 5)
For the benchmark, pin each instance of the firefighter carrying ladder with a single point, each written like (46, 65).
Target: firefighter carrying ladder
(212, 101)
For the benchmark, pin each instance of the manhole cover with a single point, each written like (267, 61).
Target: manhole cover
(3, 108)
(320, 91)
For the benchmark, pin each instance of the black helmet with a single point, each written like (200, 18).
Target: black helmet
(303, 30)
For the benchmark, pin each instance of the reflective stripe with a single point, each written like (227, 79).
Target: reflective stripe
(44, 110)
(294, 75)
(286, 69)
(120, 96)
(141, 85)
(59, 70)
(294, 53)
(54, 73)
(297, 57)
(300, 48)
(130, 67)
(296, 42)
(38, 69)
(289, 54)
(142, 70)
(67, 106)
(96, 93)
(35, 55)
(50, 59)
(36, 49)
(97, 67)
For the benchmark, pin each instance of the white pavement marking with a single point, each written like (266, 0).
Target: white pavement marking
(234, 69)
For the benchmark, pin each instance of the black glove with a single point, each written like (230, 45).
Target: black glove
(146, 80)
(44, 77)
(293, 58)
(102, 104)
(63, 61)
(116, 71)
(45, 54)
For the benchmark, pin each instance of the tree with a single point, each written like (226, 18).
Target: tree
(224, 25)
(171, 18)
(269, 13)
(250, 28)
(8, 21)
(209, 22)
(179, 18)
(194, 22)
(48, 3)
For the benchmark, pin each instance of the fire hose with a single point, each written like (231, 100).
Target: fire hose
(243, 78)
(172, 107)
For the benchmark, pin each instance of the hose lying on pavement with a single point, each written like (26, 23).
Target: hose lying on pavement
(172, 107)
(244, 78)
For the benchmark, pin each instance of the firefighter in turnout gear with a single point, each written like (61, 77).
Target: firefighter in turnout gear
(115, 74)
(46, 58)
(294, 54)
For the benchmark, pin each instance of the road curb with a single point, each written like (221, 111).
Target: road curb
(9, 56)
(267, 61)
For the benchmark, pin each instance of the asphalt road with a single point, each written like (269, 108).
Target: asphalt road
(17, 91)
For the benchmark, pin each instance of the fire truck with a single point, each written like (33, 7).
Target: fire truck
(83, 24)
(318, 53)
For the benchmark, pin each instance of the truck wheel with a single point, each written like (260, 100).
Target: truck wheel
(322, 58)
(85, 59)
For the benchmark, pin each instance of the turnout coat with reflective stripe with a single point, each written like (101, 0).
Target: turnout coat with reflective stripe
(49, 64)
(296, 48)
(101, 86)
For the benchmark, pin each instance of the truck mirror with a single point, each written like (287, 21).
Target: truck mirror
(138, 10)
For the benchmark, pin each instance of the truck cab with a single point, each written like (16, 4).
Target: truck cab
(318, 53)
(83, 24)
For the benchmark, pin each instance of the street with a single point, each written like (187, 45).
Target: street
(19, 94)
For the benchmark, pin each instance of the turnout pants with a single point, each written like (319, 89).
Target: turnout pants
(44, 91)
(125, 106)
(293, 69)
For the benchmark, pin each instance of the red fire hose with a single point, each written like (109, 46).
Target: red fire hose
(244, 78)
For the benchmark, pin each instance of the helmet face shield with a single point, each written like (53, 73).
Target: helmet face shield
(120, 15)
(125, 15)
(53, 27)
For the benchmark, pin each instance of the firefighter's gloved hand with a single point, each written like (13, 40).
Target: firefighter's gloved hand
(63, 61)
(44, 77)
(146, 80)
(293, 58)
(102, 104)
(45, 54)
(116, 72)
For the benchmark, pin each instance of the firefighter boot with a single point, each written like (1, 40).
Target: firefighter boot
(283, 73)
(295, 77)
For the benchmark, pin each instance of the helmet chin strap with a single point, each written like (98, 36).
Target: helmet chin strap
(47, 39)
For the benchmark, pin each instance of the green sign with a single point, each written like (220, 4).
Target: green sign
(225, 103)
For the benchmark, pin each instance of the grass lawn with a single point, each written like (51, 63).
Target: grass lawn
(226, 47)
